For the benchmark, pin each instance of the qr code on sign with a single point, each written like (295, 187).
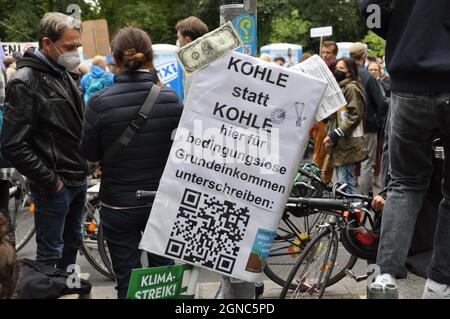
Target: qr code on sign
(208, 231)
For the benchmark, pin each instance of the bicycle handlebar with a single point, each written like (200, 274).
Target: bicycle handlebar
(320, 203)
(353, 196)
(312, 176)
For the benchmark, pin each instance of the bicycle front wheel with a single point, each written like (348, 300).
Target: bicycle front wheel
(22, 216)
(293, 236)
(312, 271)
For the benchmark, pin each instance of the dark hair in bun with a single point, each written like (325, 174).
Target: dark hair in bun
(133, 48)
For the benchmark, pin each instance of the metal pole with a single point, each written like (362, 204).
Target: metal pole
(321, 46)
(243, 15)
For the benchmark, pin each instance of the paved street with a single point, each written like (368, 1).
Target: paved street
(209, 282)
(208, 286)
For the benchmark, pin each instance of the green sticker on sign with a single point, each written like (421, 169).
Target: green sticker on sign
(160, 283)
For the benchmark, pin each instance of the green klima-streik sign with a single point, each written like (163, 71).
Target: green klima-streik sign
(160, 283)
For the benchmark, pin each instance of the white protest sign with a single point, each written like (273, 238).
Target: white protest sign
(333, 99)
(242, 135)
(21, 47)
(321, 32)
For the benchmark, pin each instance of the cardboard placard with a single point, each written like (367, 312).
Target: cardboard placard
(95, 38)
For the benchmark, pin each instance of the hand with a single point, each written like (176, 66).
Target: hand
(328, 141)
(378, 203)
(59, 186)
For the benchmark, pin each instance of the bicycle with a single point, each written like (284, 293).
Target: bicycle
(312, 271)
(22, 212)
(94, 246)
(94, 237)
(297, 229)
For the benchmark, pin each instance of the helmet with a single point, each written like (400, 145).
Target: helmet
(362, 239)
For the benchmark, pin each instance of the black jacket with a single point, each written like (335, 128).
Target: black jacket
(43, 123)
(38, 281)
(375, 100)
(140, 165)
(418, 43)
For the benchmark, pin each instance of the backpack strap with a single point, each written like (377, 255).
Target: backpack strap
(135, 126)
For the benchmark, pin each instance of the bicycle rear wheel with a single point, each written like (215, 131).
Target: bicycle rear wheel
(90, 248)
(313, 269)
(104, 251)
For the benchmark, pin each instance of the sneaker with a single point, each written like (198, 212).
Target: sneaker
(384, 287)
(434, 290)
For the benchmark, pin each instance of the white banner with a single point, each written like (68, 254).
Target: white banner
(11, 47)
(243, 132)
(321, 32)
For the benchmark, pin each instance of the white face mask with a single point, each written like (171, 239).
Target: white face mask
(68, 60)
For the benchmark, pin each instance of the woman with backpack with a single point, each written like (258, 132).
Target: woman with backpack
(138, 166)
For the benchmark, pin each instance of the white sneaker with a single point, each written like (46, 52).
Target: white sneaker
(384, 287)
(434, 290)
(385, 280)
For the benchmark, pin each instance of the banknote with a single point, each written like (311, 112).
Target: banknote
(209, 48)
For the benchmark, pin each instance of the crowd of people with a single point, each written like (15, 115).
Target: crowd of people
(57, 114)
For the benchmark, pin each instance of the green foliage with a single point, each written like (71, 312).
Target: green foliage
(278, 20)
(147, 17)
(343, 15)
(19, 19)
(290, 29)
(376, 44)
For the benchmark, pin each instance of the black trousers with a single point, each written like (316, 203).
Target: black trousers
(123, 232)
(4, 195)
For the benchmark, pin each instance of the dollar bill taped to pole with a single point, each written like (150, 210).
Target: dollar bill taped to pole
(212, 46)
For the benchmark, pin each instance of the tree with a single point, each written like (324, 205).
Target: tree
(376, 44)
(278, 20)
(269, 10)
(343, 15)
(290, 29)
(19, 18)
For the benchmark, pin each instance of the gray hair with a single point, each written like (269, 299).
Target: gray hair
(54, 24)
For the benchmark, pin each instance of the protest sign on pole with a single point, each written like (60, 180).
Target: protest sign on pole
(333, 99)
(243, 132)
(95, 38)
(321, 33)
